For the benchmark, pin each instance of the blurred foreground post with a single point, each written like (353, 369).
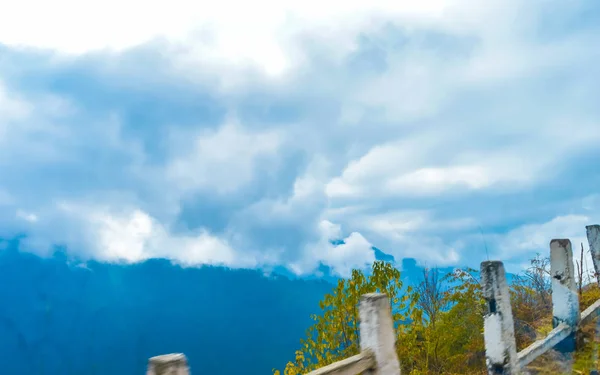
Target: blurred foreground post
(168, 364)
(377, 342)
(377, 333)
(498, 326)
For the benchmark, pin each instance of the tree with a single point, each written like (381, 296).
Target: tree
(435, 325)
(531, 299)
(431, 298)
(439, 324)
(460, 328)
(431, 301)
(334, 334)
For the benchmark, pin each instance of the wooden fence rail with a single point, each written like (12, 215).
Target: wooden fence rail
(377, 335)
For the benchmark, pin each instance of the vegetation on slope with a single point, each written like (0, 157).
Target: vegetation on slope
(439, 323)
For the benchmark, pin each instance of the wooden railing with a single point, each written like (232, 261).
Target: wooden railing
(377, 335)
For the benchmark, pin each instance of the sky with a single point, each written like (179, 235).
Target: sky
(252, 134)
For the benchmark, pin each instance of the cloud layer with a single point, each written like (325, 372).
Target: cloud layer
(252, 135)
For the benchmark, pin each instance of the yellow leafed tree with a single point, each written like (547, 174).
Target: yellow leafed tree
(439, 331)
(334, 334)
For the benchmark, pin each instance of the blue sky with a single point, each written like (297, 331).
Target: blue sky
(250, 135)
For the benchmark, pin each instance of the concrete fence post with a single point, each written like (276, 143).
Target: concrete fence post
(377, 333)
(565, 301)
(498, 326)
(593, 236)
(168, 364)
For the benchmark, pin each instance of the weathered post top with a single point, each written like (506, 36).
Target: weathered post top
(491, 271)
(498, 327)
(168, 364)
(377, 333)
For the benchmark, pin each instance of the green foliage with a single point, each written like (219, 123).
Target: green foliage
(439, 331)
(334, 334)
(454, 344)
(427, 345)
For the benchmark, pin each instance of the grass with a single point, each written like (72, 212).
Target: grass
(555, 363)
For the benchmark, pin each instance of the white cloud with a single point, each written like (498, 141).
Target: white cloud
(123, 237)
(536, 237)
(222, 161)
(527, 240)
(12, 108)
(395, 225)
(233, 32)
(395, 154)
(390, 173)
(131, 235)
(233, 36)
(32, 126)
(430, 181)
(430, 164)
(354, 253)
(362, 176)
(430, 250)
(27, 216)
(436, 180)
(413, 233)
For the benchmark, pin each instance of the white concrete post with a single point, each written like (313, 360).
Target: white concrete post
(498, 326)
(377, 332)
(168, 364)
(593, 235)
(565, 301)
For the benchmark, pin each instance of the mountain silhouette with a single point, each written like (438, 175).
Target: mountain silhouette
(58, 317)
(62, 319)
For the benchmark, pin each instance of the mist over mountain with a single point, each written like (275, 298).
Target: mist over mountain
(57, 318)
(62, 318)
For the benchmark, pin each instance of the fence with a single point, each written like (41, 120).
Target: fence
(377, 334)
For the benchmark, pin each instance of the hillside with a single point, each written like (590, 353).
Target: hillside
(61, 318)
(109, 319)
